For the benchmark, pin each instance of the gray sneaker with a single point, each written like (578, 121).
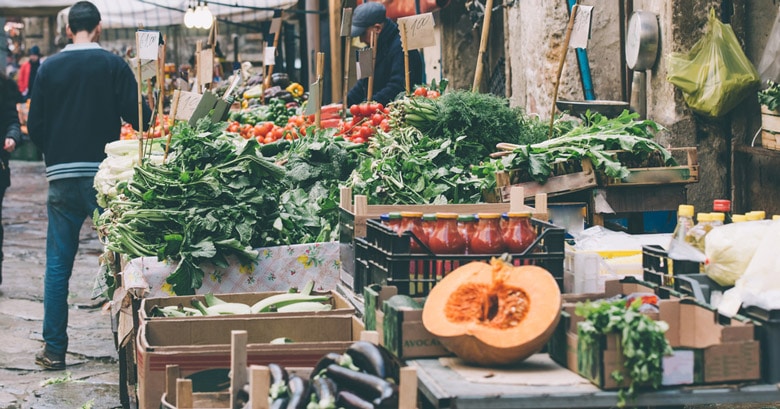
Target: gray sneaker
(50, 361)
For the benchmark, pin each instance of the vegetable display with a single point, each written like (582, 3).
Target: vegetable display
(770, 96)
(493, 314)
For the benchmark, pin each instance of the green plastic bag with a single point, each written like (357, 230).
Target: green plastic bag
(715, 75)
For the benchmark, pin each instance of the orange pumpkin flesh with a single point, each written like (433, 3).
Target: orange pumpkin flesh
(493, 314)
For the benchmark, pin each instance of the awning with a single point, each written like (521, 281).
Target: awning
(32, 8)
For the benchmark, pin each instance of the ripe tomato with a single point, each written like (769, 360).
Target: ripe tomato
(384, 125)
(358, 140)
(366, 131)
(420, 92)
(367, 109)
(433, 94)
(377, 119)
(354, 110)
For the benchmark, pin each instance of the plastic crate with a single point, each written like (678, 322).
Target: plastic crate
(659, 269)
(769, 336)
(390, 262)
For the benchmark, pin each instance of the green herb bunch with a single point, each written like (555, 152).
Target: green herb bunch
(642, 340)
(770, 96)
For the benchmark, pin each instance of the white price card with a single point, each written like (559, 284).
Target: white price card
(419, 31)
(206, 66)
(365, 63)
(186, 104)
(148, 69)
(148, 44)
(346, 22)
(580, 32)
(269, 56)
(276, 25)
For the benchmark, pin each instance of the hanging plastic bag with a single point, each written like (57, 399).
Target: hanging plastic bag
(715, 75)
(769, 66)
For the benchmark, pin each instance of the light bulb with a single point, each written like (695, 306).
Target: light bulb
(208, 18)
(189, 18)
(198, 16)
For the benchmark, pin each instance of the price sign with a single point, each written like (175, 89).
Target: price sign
(148, 69)
(276, 25)
(365, 63)
(580, 32)
(269, 56)
(346, 22)
(314, 100)
(419, 31)
(148, 44)
(186, 105)
(206, 66)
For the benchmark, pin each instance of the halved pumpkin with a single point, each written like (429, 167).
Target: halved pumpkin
(493, 314)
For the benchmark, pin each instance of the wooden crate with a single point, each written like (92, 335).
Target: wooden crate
(662, 175)
(554, 186)
(770, 128)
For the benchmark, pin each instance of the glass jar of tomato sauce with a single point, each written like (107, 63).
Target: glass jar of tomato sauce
(394, 220)
(428, 223)
(488, 237)
(467, 225)
(519, 234)
(445, 238)
(412, 222)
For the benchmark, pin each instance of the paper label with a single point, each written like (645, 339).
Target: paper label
(314, 102)
(148, 69)
(276, 25)
(365, 63)
(206, 67)
(346, 22)
(269, 56)
(148, 44)
(419, 31)
(580, 32)
(186, 104)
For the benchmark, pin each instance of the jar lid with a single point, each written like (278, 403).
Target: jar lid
(704, 217)
(429, 217)
(384, 217)
(721, 205)
(489, 215)
(445, 215)
(519, 214)
(685, 210)
(412, 214)
(467, 218)
(718, 216)
(394, 215)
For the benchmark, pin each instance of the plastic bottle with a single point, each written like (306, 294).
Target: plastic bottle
(718, 219)
(519, 234)
(684, 222)
(488, 238)
(696, 234)
(723, 206)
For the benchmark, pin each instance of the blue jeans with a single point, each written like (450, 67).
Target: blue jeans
(70, 202)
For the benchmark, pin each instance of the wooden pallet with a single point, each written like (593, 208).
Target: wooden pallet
(554, 186)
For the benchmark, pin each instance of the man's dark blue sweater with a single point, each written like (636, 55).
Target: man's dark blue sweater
(79, 99)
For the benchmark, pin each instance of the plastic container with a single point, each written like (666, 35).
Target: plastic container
(658, 268)
(388, 258)
(695, 235)
(684, 222)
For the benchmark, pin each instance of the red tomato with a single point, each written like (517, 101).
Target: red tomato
(367, 109)
(420, 92)
(433, 94)
(365, 132)
(354, 110)
(358, 140)
(384, 125)
(379, 107)
(377, 119)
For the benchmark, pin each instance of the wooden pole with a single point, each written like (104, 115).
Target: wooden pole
(198, 62)
(335, 12)
(483, 44)
(320, 72)
(140, 101)
(566, 41)
(406, 57)
(372, 41)
(345, 84)
(270, 68)
(174, 108)
(161, 83)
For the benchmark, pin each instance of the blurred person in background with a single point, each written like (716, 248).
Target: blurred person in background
(11, 129)
(28, 71)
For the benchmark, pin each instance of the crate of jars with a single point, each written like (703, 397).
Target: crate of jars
(354, 215)
(418, 250)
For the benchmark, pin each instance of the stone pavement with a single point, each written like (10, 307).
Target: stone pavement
(91, 378)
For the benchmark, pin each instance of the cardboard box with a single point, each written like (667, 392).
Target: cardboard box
(340, 305)
(196, 345)
(411, 339)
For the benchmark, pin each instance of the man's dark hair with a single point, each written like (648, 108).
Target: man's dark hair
(83, 16)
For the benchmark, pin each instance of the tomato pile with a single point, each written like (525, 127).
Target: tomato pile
(425, 92)
(367, 117)
(128, 132)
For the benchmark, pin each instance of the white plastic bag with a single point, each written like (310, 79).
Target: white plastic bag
(769, 66)
(759, 285)
(730, 248)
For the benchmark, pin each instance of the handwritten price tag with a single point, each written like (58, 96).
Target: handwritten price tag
(365, 63)
(148, 44)
(276, 25)
(580, 32)
(314, 101)
(188, 101)
(148, 69)
(419, 31)
(206, 66)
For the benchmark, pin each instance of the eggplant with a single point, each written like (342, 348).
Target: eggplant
(329, 358)
(374, 359)
(298, 391)
(281, 79)
(279, 403)
(279, 379)
(349, 400)
(378, 391)
(325, 390)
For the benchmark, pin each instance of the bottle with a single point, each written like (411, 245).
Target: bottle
(412, 222)
(684, 222)
(718, 219)
(394, 220)
(696, 234)
(467, 225)
(428, 223)
(738, 218)
(488, 237)
(723, 206)
(519, 234)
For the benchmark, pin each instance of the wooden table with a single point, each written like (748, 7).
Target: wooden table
(442, 387)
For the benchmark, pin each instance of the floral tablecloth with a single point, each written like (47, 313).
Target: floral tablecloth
(277, 269)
